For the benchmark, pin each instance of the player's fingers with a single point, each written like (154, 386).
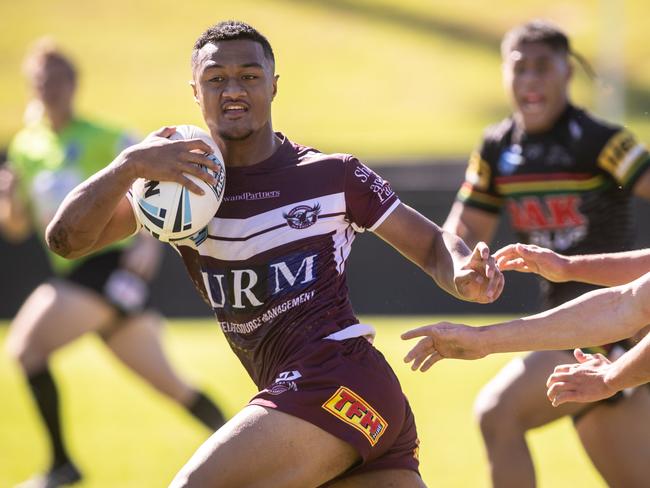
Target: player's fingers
(422, 348)
(480, 253)
(495, 287)
(556, 387)
(562, 368)
(565, 396)
(198, 172)
(583, 357)
(483, 250)
(579, 355)
(430, 361)
(514, 264)
(417, 362)
(189, 184)
(566, 378)
(163, 132)
(425, 330)
(491, 268)
(200, 144)
(203, 160)
(507, 252)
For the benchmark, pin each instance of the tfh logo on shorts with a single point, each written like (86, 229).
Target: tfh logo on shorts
(302, 216)
(355, 411)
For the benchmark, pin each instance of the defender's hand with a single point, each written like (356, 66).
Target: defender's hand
(479, 279)
(583, 382)
(529, 258)
(440, 341)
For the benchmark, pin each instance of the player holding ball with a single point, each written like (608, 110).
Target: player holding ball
(272, 267)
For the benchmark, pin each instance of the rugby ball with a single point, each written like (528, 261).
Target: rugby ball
(167, 209)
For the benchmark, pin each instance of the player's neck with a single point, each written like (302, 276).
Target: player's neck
(59, 119)
(252, 150)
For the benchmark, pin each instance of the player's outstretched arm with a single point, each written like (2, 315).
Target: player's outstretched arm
(467, 274)
(597, 317)
(97, 211)
(599, 269)
(595, 378)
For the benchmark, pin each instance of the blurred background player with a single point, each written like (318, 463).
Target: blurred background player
(105, 293)
(566, 180)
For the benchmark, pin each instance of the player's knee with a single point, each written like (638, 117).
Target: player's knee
(25, 354)
(494, 415)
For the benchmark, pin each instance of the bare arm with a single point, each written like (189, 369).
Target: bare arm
(455, 268)
(15, 221)
(97, 211)
(470, 224)
(595, 378)
(599, 269)
(597, 317)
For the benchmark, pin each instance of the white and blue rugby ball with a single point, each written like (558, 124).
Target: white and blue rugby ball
(167, 209)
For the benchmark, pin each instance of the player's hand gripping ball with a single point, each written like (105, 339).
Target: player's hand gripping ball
(171, 212)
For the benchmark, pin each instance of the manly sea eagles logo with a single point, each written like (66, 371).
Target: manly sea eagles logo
(302, 216)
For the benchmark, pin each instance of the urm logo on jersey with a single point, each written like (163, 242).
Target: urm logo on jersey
(247, 289)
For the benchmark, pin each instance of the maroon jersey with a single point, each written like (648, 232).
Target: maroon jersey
(271, 263)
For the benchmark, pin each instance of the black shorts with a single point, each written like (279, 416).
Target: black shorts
(102, 273)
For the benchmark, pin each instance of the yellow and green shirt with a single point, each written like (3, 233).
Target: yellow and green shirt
(50, 164)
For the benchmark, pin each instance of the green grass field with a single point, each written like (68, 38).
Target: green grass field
(378, 78)
(125, 435)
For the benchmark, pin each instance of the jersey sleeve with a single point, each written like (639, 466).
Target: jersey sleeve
(624, 158)
(369, 199)
(478, 189)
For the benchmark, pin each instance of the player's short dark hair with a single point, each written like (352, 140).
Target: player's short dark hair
(232, 30)
(543, 32)
(536, 32)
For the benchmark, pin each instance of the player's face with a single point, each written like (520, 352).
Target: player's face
(234, 83)
(537, 79)
(53, 84)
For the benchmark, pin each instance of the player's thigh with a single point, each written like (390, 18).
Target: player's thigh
(262, 447)
(391, 478)
(136, 340)
(617, 438)
(54, 314)
(518, 391)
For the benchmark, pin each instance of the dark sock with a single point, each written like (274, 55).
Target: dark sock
(206, 411)
(47, 399)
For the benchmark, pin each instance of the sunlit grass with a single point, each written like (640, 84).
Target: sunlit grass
(124, 434)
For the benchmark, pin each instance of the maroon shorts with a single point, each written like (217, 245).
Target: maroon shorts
(348, 389)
